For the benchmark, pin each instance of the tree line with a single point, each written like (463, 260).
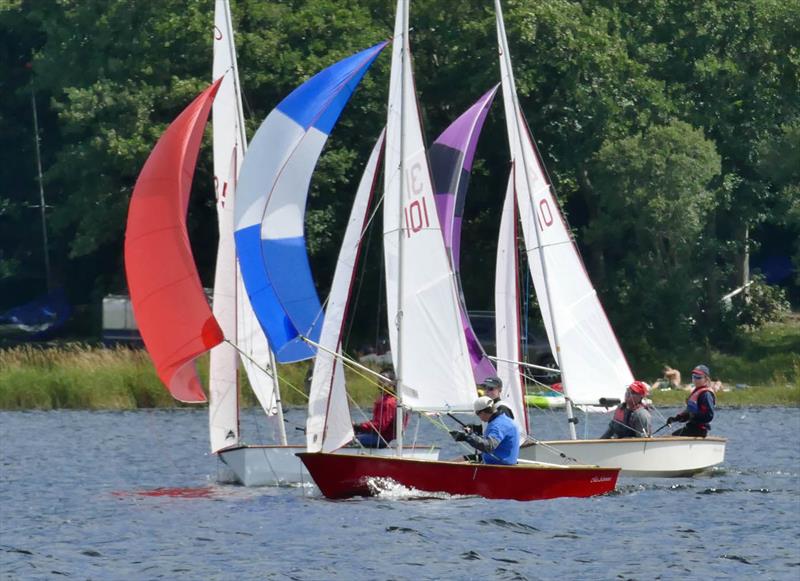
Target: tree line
(671, 131)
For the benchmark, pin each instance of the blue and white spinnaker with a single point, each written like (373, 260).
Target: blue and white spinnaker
(271, 200)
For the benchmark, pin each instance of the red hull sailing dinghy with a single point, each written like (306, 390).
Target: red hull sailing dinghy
(429, 350)
(345, 476)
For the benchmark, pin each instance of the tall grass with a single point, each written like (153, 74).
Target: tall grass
(79, 376)
(787, 395)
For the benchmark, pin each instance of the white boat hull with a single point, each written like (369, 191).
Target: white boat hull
(278, 465)
(655, 457)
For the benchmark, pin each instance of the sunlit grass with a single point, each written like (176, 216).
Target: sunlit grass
(764, 371)
(787, 395)
(78, 376)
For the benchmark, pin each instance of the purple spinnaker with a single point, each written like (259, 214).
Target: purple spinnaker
(451, 163)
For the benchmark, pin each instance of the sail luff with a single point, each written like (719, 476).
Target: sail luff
(434, 370)
(507, 320)
(231, 306)
(584, 345)
(328, 426)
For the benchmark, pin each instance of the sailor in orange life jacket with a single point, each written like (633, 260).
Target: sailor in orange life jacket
(631, 418)
(699, 406)
(378, 432)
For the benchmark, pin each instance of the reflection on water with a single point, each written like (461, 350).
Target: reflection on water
(136, 495)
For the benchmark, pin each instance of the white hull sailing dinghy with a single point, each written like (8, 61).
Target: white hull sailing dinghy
(169, 302)
(584, 345)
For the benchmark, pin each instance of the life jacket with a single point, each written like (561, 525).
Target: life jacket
(500, 405)
(692, 400)
(621, 415)
(693, 405)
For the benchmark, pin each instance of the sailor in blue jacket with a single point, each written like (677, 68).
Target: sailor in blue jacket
(500, 440)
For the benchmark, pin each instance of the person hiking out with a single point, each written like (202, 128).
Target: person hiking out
(500, 441)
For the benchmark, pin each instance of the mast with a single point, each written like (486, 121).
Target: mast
(501, 29)
(230, 144)
(42, 206)
(240, 292)
(401, 5)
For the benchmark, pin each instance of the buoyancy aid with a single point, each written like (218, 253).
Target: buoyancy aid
(693, 406)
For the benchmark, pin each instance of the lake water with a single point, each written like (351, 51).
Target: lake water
(135, 495)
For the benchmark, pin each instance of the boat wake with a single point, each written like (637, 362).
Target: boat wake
(386, 488)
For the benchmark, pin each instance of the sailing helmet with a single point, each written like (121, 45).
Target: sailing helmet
(492, 382)
(484, 404)
(638, 387)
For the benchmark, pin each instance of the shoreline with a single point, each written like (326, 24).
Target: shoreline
(79, 376)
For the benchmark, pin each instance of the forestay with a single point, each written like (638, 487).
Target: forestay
(452, 155)
(428, 346)
(271, 200)
(581, 339)
(168, 300)
(329, 426)
(231, 306)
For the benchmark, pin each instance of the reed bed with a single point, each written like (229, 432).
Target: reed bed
(82, 376)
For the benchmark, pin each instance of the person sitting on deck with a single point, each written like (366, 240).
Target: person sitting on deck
(500, 440)
(380, 430)
(631, 418)
(699, 409)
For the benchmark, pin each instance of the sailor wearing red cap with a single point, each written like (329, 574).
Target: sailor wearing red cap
(631, 418)
(699, 406)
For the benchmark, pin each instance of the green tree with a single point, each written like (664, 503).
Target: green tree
(656, 198)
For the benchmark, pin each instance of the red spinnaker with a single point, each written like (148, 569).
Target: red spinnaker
(169, 303)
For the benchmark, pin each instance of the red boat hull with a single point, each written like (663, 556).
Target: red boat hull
(344, 476)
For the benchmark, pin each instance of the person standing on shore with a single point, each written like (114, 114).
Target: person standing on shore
(699, 409)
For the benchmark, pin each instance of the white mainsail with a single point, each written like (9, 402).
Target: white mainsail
(231, 306)
(584, 345)
(329, 426)
(428, 346)
(506, 304)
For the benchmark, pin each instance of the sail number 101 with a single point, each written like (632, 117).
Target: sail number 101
(416, 211)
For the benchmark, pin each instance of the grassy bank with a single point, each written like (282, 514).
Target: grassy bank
(78, 376)
(786, 395)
